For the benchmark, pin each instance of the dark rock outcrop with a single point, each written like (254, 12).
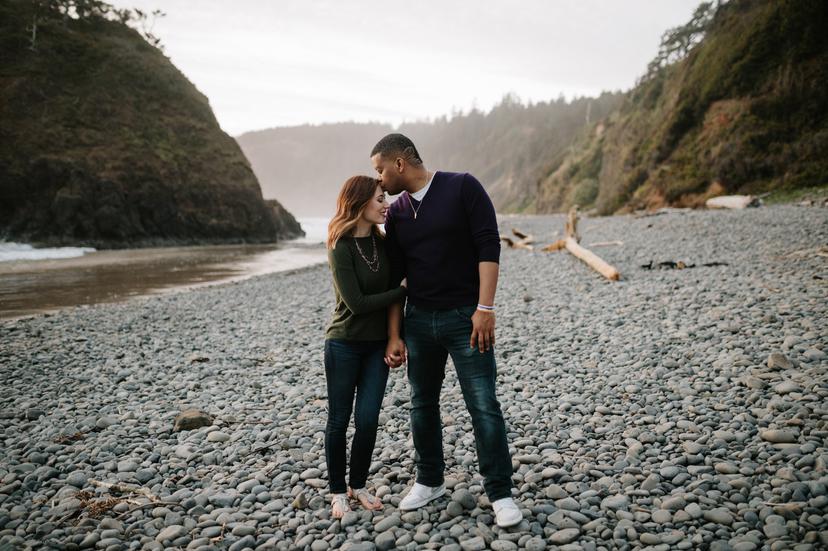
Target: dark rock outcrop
(104, 142)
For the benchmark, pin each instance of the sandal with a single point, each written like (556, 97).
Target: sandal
(366, 499)
(339, 505)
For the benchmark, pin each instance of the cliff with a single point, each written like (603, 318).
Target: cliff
(744, 111)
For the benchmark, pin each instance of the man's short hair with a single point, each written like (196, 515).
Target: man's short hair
(397, 145)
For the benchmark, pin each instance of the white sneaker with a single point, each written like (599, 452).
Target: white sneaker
(507, 512)
(419, 495)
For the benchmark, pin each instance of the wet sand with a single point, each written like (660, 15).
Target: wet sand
(29, 287)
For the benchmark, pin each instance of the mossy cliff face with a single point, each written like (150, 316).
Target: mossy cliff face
(104, 142)
(744, 112)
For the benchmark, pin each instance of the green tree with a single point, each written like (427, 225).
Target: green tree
(677, 42)
(46, 12)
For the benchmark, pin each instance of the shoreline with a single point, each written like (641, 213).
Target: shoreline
(34, 287)
(184, 288)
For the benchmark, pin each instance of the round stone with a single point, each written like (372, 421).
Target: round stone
(662, 516)
(719, 515)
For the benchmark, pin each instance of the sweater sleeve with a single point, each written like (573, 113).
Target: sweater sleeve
(346, 282)
(392, 247)
(482, 220)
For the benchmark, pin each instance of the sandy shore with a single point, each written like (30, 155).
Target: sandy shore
(675, 409)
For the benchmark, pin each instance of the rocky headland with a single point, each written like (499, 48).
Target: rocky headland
(104, 142)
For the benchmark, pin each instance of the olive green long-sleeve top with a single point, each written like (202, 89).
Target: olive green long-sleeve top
(362, 296)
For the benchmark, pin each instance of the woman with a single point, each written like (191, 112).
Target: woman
(355, 338)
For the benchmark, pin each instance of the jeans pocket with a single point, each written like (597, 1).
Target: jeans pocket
(465, 312)
(409, 309)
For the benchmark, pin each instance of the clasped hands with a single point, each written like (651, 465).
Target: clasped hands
(482, 338)
(396, 353)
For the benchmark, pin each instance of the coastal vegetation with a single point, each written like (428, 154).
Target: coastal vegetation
(741, 110)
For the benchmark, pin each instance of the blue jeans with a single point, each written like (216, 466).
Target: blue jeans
(353, 367)
(430, 337)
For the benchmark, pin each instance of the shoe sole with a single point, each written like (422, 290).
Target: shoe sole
(419, 504)
(509, 525)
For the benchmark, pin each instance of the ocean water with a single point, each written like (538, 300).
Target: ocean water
(34, 280)
(316, 229)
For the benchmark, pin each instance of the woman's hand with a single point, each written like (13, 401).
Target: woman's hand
(396, 353)
(404, 283)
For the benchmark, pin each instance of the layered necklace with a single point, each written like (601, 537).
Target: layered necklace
(374, 263)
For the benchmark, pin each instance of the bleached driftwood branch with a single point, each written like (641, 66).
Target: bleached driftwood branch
(570, 243)
(125, 489)
(524, 240)
(606, 243)
(733, 202)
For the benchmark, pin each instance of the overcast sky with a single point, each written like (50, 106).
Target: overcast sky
(266, 63)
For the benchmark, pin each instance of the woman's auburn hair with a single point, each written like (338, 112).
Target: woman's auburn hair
(353, 198)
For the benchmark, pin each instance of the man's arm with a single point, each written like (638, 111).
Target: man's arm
(483, 322)
(483, 224)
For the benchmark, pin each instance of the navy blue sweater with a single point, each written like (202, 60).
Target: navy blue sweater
(439, 252)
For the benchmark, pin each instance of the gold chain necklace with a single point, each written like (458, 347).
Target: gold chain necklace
(421, 202)
(374, 263)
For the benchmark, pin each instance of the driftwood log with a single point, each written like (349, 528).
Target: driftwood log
(556, 246)
(606, 243)
(570, 243)
(524, 240)
(733, 202)
(125, 489)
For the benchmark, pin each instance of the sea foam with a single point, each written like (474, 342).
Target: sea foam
(21, 251)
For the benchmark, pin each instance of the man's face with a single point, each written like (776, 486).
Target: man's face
(388, 173)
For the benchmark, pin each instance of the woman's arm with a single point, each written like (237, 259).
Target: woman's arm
(345, 279)
(395, 351)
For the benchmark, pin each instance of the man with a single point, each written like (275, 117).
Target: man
(442, 236)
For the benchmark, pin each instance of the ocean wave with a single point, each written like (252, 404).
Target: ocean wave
(10, 251)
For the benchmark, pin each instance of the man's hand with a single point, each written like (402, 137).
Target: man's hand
(483, 330)
(396, 353)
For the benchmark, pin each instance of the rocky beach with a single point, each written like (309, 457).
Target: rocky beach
(674, 409)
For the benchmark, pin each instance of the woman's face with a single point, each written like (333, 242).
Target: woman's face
(377, 208)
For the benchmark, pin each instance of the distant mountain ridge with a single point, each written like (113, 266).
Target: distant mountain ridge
(104, 142)
(306, 165)
(507, 149)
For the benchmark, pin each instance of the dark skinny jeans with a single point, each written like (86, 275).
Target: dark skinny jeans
(431, 336)
(353, 368)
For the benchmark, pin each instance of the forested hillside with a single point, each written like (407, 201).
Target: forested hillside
(104, 142)
(508, 149)
(735, 102)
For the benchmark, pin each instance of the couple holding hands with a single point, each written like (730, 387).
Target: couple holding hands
(439, 256)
